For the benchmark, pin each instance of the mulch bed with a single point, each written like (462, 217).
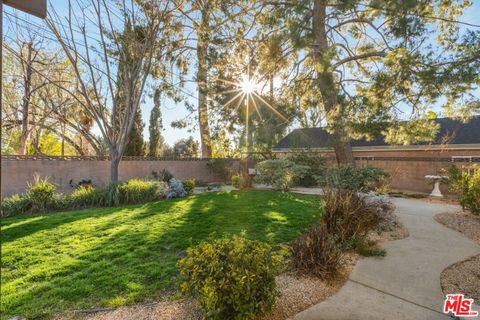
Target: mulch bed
(464, 276)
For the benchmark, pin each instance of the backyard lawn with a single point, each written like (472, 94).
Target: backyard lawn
(113, 256)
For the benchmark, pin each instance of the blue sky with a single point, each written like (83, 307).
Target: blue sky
(170, 110)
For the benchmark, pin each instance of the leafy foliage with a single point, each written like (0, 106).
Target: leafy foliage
(82, 197)
(347, 177)
(346, 220)
(138, 191)
(176, 189)
(189, 185)
(394, 59)
(316, 252)
(41, 194)
(15, 205)
(221, 167)
(164, 175)
(348, 216)
(135, 143)
(241, 181)
(467, 186)
(232, 278)
(280, 173)
(314, 161)
(156, 141)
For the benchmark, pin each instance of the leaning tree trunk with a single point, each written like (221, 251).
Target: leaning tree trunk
(202, 96)
(325, 80)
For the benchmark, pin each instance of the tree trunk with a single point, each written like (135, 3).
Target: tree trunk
(114, 162)
(271, 87)
(202, 73)
(27, 83)
(325, 80)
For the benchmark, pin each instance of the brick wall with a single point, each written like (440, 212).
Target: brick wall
(409, 167)
(16, 173)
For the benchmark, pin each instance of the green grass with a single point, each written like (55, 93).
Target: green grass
(113, 256)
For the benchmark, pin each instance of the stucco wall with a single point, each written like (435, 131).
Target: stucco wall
(16, 173)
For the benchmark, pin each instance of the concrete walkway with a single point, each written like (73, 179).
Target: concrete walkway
(406, 283)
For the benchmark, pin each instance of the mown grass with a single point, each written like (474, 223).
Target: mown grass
(57, 262)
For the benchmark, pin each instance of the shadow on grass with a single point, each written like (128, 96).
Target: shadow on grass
(131, 253)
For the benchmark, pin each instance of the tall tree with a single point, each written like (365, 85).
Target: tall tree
(136, 144)
(210, 23)
(34, 101)
(128, 39)
(114, 117)
(156, 142)
(374, 63)
(186, 148)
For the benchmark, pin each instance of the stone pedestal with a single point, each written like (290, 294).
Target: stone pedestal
(436, 190)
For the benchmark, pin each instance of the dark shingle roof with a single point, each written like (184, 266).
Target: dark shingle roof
(451, 132)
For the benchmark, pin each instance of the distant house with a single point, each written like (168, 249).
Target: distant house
(453, 135)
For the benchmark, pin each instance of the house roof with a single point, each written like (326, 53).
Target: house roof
(452, 132)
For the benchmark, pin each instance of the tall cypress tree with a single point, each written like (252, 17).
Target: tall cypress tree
(156, 142)
(136, 144)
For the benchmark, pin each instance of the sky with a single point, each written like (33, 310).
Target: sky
(172, 111)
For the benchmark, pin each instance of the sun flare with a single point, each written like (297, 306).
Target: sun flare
(248, 85)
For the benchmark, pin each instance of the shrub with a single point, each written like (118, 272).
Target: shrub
(81, 198)
(316, 252)
(189, 185)
(280, 173)
(164, 175)
(137, 191)
(241, 181)
(16, 204)
(41, 194)
(221, 167)
(107, 196)
(348, 177)
(348, 216)
(236, 181)
(346, 220)
(81, 183)
(176, 189)
(232, 278)
(467, 186)
(315, 163)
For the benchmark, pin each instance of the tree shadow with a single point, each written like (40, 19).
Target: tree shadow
(136, 256)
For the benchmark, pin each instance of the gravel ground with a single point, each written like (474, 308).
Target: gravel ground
(301, 292)
(463, 222)
(463, 276)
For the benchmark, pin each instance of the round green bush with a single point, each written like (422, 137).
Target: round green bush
(189, 185)
(41, 194)
(232, 278)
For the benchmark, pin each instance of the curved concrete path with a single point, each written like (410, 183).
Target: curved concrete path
(406, 283)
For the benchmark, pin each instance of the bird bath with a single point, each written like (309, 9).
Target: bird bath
(436, 180)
